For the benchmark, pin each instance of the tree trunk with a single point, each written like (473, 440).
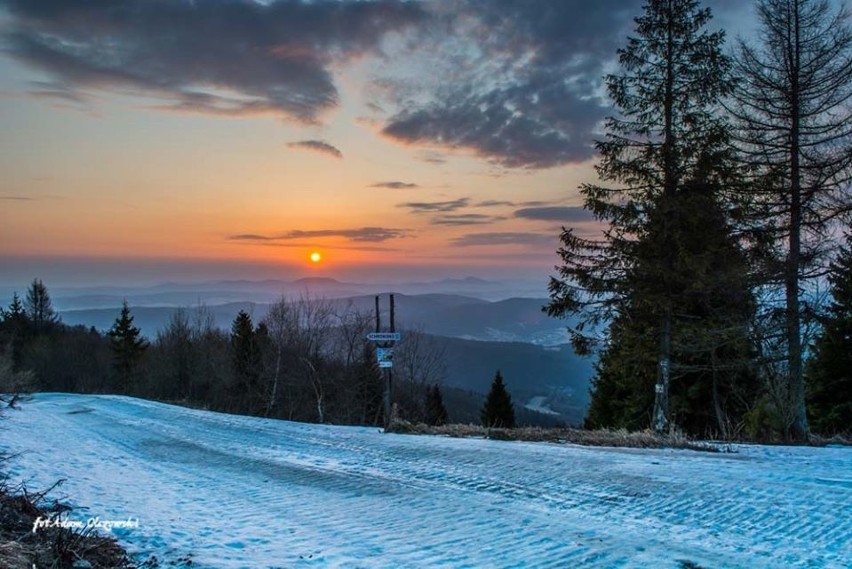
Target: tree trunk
(799, 427)
(661, 398)
(271, 404)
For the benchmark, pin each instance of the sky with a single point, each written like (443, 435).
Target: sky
(159, 140)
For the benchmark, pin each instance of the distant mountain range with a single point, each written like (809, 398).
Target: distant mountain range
(221, 292)
(477, 336)
(511, 320)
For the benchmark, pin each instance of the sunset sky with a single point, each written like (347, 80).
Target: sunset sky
(153, 140)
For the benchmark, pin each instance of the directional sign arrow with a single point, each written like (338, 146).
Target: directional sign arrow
(384, 336)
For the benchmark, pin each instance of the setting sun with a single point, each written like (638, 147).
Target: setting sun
(316, 257)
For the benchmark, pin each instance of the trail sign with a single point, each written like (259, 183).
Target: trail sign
(384, 336)
(384, 356)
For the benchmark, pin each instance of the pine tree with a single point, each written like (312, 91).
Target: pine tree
(794, 128)
(128, 346)
(436, 412)
(39, 307)
(669, 134)
(15, 330)
(246, 358)
(712, 383)
(829, 372)
(498, 410)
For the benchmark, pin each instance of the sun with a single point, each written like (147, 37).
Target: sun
(315, 257)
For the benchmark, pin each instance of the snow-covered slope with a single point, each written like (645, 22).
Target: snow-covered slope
(230, 491)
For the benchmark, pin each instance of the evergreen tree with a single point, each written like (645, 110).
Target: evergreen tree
(436, 413)
(246, 358)
(712, 383)
(39, 307)
(829, 372)
(14, 330)
(668, 134)
(794, 128)
(127, 346)
(498, 410)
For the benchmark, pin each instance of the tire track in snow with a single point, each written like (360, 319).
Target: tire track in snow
(238, 491)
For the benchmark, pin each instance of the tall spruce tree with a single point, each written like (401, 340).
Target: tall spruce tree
(795, 132)
(127, 346)
(713, 385)
(436, 412)
(14, 330)
(39, 307)
(246, 358)
(668, 132)
(829, 372)
(498, 410)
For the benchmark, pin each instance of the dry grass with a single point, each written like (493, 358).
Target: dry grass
(836, 440)
(605, 438)
(54, 547)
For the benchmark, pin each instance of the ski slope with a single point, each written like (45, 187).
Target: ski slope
(229, 491)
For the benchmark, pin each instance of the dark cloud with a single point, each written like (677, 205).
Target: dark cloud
(495, 203)
(516, 82)
(432, 157)
(231, 57)
(523, 86)
(465, 219)
(502, 239)
(364, 234)
(436, 207)
(554, 213)
(395, 185)
(17, 198)
(317, 146)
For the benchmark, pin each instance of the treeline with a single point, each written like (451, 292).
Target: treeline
(307, 360)
(724, 193)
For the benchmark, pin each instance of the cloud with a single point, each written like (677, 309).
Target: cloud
(317, 146)
(395, 185)
(431, 157)
(555, 213)
(229, 57)
(465, 219)
(535, 240)
(364, 234)
(17, 198)
(519, 81)
(436, 207)
(495, 203)
(515, 82)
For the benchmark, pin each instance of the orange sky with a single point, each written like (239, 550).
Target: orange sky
(404, 137)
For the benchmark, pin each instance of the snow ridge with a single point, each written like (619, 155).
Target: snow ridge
(232, 491)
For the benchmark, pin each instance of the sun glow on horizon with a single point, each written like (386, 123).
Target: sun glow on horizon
(315, 257)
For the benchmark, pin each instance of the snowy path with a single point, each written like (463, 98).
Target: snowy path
(233, 491)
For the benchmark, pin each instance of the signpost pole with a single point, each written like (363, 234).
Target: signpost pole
(389, 372)
(384, 355)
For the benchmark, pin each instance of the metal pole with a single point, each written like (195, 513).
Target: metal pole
(378, 318)
(389, 370)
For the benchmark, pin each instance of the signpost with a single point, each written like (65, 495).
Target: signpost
(384, 355)
(384, 336)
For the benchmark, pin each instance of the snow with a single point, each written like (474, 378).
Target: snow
(229, 491)
(538, 405)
